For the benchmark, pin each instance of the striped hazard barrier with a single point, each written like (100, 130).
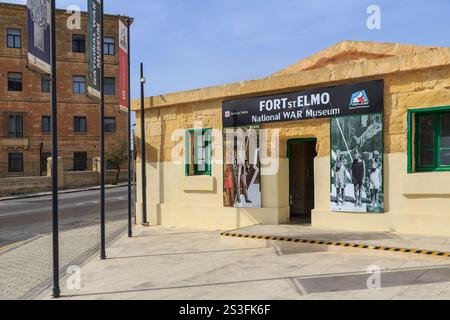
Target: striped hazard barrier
(338, 244)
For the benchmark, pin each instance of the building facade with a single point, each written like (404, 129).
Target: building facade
(357, 137)
(25, 123)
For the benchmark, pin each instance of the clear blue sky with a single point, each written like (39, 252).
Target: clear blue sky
(187, 44)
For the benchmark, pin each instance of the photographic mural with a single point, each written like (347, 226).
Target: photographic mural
(357, 164)
(242, 173)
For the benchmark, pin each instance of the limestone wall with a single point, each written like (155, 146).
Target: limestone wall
(15, 186)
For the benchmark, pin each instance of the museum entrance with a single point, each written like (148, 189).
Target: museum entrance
(301, 154)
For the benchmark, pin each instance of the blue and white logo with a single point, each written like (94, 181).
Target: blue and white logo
(359, 99)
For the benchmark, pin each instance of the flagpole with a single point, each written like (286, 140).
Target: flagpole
(130, 164)
(54, 119)
(102, 139)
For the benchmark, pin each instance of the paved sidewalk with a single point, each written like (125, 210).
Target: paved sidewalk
(26, 268)
(170, 263)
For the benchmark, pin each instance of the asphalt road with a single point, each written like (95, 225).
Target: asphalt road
(24, 219)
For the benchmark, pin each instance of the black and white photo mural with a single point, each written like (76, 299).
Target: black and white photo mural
(357, 152)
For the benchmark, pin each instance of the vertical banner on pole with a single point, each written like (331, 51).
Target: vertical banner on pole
(123, 66)
(95, 48)
(39, 27)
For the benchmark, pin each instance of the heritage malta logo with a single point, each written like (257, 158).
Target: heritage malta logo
(359, 99)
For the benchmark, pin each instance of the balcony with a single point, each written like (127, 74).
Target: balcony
(14, 144)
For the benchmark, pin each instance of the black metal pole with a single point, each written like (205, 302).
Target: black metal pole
(102, 141)
(56, 288)
(143, 151)
(130, 164)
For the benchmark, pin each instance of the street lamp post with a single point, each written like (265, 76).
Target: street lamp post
(54, 119)
(102, 139)
(143, 152)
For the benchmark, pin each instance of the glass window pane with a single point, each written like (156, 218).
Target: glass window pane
(445, 157)
(445, 122)
(445, 130)
(445, 139)
(426, 124)
(14, 32)
(426, 140)
(110, 125)
(110, 86)
(109, 46)
(15, 76)
(426, 158)
(11, 126)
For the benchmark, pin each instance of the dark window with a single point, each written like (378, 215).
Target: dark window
(78, 43)
(14, 81)
(45, 84)
(110, 125)
(109, 46)
(46, 124)
(79, 124)
(44, 159)
(79, 84)
(15, 162)
(433, 141)
(80, 161)
(15, 125)
(14, 38)
(110, 86)
(198, 152)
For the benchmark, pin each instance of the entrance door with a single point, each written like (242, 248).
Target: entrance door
(301, 153)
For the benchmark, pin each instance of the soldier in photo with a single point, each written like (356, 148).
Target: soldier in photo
(358, 177)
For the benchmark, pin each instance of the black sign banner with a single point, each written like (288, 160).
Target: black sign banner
(354, 99)
(39, 27)
(95, 47)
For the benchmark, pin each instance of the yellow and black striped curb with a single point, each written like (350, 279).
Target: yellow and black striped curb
(338, 244)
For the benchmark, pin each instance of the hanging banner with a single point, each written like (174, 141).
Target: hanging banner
(242, 170)
(360, 98)
(357, 167)
(123, 66)
(95, 48)
(39, 28)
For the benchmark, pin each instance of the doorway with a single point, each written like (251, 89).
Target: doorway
(301, 154)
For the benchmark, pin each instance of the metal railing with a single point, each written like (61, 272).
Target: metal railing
(15, 169)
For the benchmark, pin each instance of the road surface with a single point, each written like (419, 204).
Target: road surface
(24, 219)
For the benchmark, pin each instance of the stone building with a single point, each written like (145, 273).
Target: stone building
(25, 138)
(403, 184)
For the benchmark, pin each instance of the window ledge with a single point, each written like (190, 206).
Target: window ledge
(197, 183)
(14, 144)
(426, 184)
